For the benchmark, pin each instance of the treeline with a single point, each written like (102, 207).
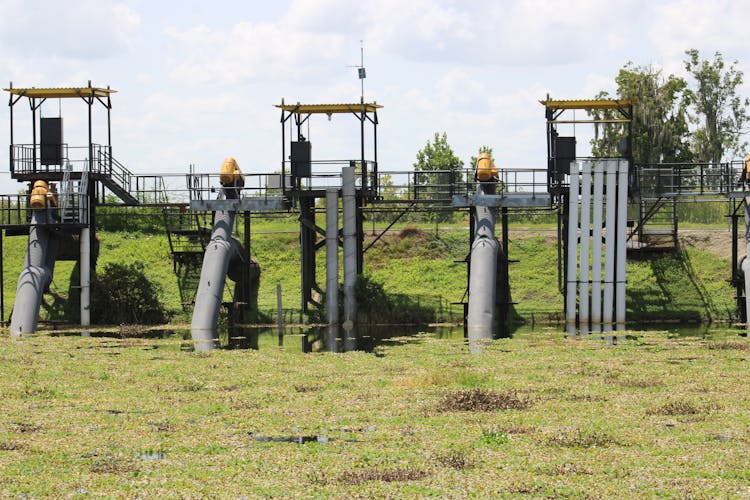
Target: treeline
(701, 118)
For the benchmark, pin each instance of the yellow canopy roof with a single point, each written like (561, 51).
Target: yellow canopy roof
(368, 107)
(54, 93)
(588, 104)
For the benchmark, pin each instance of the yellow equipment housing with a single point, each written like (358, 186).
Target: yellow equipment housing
(231, 175)
(41, 196)
(486, 169)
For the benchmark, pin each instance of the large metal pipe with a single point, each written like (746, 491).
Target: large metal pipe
(35, 276)
(482, 280)
(609, 245)
(349, 196)
(211, 285)
(745, 264)
(596, 249)
(332, 267)
(583, 282)
(622, 218)
(572, 245)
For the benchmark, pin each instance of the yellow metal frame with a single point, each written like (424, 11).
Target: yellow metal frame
(588, 103)
(328, 109)
(61, 93)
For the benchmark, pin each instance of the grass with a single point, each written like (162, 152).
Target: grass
(535, 415)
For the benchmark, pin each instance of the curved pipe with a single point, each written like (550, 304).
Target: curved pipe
(744, 263)
(34, 278)
(483, 275)
(216, 261)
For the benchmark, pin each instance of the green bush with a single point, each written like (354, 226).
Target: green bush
(123, 294)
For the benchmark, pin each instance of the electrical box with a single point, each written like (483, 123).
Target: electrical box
(51, 144)
(565, 152)
(301, 151)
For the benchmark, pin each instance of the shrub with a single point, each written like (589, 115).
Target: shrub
(121, 293)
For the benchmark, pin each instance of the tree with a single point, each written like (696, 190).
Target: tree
(721, 114)
(660, 123)
(437, 172)
(438, 162)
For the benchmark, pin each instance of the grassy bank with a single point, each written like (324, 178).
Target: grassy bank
(535, 416)
(689, 285)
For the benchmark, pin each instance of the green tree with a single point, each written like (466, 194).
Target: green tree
(660, 122)
(438, 173)
(437, 165)
(721, 114)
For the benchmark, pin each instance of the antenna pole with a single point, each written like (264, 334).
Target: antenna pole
(362, 65)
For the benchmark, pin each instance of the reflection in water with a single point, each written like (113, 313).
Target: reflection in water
(320, 339)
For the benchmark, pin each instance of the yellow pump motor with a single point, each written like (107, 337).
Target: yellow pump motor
(231, 175)
(486, 169)
(41, 195)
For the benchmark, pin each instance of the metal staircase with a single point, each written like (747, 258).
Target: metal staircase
(657, 222)
(116, 177)
(188, 233)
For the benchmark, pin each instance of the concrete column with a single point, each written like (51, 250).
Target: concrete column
(596, 249)
(583, 282)
(609, 245)
(570, 285)
(85, 271)
(622, 219)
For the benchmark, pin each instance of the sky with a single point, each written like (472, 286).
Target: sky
(197, 81)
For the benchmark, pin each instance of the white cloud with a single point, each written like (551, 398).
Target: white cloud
(75, 29)
(708, 26)
(251, 52)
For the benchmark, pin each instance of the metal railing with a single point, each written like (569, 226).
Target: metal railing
(15, 210)
(688, 179)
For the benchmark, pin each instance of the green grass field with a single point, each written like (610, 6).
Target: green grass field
(535, 416)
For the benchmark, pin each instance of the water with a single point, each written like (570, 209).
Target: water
(318, 339)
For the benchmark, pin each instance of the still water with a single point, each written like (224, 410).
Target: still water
(368, 338)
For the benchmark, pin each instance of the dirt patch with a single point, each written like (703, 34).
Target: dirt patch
(682, 407)
(716, 241)
(412, 233)
(481, 400)
(388, 476)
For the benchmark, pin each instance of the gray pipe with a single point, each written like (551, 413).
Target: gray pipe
(332, 266)
(482, 280)
(350, 249)
(745, 263)
(34, 278)
(211, 285)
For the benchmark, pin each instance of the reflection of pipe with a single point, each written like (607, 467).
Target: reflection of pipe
(35, 276)
(483, 276)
